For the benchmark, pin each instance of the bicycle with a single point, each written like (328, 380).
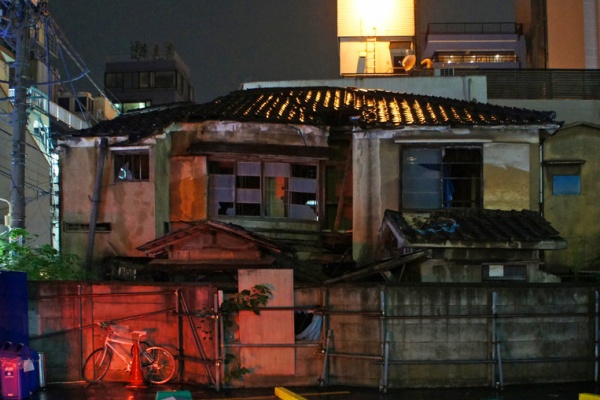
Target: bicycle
(158, 364)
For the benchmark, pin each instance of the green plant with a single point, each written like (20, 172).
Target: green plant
(40, 263)
(236, 370)
(246, 300)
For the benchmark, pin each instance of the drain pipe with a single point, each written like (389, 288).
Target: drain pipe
(596, 333)
(95, 202)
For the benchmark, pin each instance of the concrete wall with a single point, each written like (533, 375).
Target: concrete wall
(437, 335)
(136, 211)
(574, 216)
(470, 88)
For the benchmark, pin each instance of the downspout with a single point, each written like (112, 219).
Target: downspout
(95, 202)
(541, 177)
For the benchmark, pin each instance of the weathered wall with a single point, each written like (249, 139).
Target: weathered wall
(443, 335)
(437, 335)
(510, 174)
(136, 211)
(574, 216)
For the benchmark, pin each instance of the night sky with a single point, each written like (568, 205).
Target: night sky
(224, 42)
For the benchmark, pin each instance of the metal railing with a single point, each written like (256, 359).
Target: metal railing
(475, 27)
(580, 84)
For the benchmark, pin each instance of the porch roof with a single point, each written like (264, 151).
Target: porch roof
(161, 245)
(320, 106)
(474, 228)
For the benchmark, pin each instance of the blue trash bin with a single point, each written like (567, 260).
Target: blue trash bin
(15, 367)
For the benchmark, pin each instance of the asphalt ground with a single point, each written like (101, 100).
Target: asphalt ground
(120, 391)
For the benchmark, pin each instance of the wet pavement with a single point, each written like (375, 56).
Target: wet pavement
(119, 391)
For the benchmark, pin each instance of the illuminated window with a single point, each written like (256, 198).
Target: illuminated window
(130, 106)
(446, 177)
(263, 189)
(471, 57)
(131, 166)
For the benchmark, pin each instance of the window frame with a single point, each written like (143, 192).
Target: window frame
(565, 168)
(446, 186)
(141, 172)
(271, 185)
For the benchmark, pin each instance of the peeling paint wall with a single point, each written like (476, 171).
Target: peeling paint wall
(135, 210)
(574, 216)
(507, 179)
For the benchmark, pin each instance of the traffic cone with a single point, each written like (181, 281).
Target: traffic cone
(137, 376)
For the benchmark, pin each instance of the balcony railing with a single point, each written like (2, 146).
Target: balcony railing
(474, 28)
(581, 84)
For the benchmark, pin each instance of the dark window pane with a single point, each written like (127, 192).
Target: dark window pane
(247, 209)
(304, 171)
(165, 79)
(221, 167)
(248, 182)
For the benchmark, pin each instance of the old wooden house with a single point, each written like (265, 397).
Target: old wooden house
(313, 169)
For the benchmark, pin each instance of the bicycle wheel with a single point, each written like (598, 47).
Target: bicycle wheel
(96, 365)
(158, 365)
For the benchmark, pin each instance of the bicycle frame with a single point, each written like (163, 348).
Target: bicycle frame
(113, 339)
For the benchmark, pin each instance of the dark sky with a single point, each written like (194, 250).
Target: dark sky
(224, 42)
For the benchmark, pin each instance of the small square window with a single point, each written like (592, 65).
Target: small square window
(566, 184)
(132, 166)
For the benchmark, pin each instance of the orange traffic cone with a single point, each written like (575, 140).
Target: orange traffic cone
(137, 376)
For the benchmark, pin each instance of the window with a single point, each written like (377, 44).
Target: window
(566, 184)
(130, 106)
(565, 177)
(113, 80)
(165, 79)
(131, 166)
(263, 189)
(446, 177)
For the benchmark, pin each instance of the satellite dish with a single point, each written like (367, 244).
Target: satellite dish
(408, 63)
(427, 63)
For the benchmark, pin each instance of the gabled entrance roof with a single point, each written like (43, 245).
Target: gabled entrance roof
(217, 245)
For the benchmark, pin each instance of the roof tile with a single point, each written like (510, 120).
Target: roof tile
(322, 106)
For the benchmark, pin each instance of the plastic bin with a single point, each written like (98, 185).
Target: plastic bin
(174, 395)
(15, 367)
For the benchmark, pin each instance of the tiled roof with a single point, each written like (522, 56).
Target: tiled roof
(476, 226)
(158, 246)
(323, 106)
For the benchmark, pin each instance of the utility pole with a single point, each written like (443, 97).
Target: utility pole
(21, 19)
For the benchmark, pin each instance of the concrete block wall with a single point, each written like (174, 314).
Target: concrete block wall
(438, 335)
(442, 335)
